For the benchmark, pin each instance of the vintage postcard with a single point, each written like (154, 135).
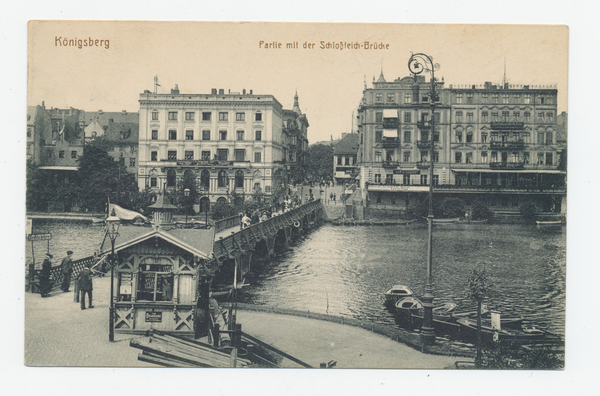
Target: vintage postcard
(325, 195)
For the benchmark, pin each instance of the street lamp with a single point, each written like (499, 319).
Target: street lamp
(417, 64)
(186, 192)
(112, 230)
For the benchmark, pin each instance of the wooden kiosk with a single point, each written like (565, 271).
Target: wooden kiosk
(159, 275)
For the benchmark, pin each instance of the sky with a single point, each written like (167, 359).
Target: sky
(198, 56)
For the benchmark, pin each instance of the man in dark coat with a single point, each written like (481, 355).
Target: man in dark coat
(85, 285)
(45, 284)
(67, 269)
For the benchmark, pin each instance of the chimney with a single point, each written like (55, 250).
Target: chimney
(100, 112)
(43, 105)
(124, 112)
(250, 92)
(229, 91)
(213, 91)
(221, 91)
(488, 85)
(244, 91)
(110, 120)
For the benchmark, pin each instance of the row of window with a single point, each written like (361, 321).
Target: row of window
(467, 158)
(221, 155)
(206, 116)
(61, 154)
(505, 98)
(504, 116)
(406, 180)
(222, 179)
(346, 160)
(505, 137)
(206, 135)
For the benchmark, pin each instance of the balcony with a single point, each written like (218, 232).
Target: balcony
(507, 125)
(422, 164)
(423, 124)
(388, 142)
(390, 164)
(423, 144)
(506, 165)
(390, 123)
(514, 145)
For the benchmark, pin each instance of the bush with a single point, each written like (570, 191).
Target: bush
(453, 207)
(479, 211)
(222, 210)
(528, 211)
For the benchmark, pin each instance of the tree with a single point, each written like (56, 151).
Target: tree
(319, 160)
(222, 210)
(178, 197)
(101, 177)
(478, 290)
(453, 207)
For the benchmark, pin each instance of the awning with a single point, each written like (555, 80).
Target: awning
(390, 133)
(390, 113)
(556, 172)
(341, 175)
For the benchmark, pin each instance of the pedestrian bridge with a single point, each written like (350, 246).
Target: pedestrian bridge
(232, 247)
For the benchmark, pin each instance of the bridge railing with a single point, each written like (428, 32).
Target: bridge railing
(56, 274)
(229, 222)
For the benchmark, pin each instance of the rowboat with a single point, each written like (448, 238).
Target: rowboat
(396, 292)
(523, 336)
(406, 305)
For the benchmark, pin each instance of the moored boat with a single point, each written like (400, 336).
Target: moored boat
(406, 305)
(549, 223)
(396, 292)
(523, 336)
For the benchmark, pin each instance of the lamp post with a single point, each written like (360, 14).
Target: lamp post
(112, 230)
(417, 64)
(186, 192)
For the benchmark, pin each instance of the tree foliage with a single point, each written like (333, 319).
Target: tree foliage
(222, 210)
(528, 211)
(479, 211)
(319, 160)
(178, 197)
(479, 286)
(101, 177)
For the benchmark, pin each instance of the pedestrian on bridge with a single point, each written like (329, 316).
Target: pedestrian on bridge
(86, 285)
(45, 282)
(67, 269)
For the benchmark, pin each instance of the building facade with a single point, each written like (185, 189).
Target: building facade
(345, 158)
(230, 142)
(493, 142)
(295, 128)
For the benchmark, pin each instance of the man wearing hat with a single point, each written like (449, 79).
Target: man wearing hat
(86, 285)
(45, 284)
(67, 270)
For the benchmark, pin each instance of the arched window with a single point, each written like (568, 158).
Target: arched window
(239, 179)
(222, 199)
(205, 179)
(188, 174)
(222, 178)
(171, 178)
(204, 204)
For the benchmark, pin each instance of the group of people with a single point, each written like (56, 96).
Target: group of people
(332, 197)
(66, 268)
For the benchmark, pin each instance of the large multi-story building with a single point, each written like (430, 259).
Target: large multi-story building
(295, 127)
(230, 142)
(495, 142)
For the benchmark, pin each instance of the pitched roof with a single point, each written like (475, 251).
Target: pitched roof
(103, 117)
(348, 145)
(196, 241)
(126, 132)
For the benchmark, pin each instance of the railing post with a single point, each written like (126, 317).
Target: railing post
(216, 335)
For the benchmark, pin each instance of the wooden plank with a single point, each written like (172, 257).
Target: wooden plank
(265, 345)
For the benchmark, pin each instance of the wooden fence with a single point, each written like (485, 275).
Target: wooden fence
(56, 275)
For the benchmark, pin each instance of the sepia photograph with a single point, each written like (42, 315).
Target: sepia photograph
(296, 195)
